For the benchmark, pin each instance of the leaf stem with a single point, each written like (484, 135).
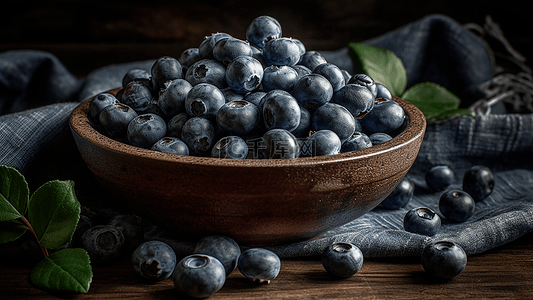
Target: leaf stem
(30, 228)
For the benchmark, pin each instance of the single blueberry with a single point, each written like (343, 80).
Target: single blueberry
(400, 196)
(311, 59)
(356, 98)
(171, 145)
(175, 124)
(171, 99)
(439, 177)
(357, 141)
(207, 71)
(422, 220)
(103, 243)
(444, 259)
(281, 51)
(244, 74)
(136, 74)
(238, 117)
(199, 135)
(332, 73)
(366, 81)
(322, 142)
(280, 110)
(223, 248)
(165, 69)
(254, 97)
(97, 104)
(259, 264)
(146, 129)
(230, 95)
(478, 181)
(379, 138)
(206, 46)
(115, 119)
(204, 100)
(336, 118)
(199, 276)
(138, 96)
(383, 92)
(456, 206)
(188, 57)
(279, 78)
(262, 29)
(301, 70)
(226, 50)
(342, 259)
(131, 228)
(312, 91)
(387, 116)
(279, 143)
(231, 146)
(154, 260)
(303, 129)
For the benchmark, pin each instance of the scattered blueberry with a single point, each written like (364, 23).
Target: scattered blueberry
(400, 196)
(259, 264)
(422, 220)
(223, 248)
(103, 243)
(456, 206)
(199, 276)
(154, 260)
(440, 177)
(342, 259)
(478, 181)
(444, 259)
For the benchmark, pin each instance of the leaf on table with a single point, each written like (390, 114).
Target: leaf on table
(11, 230)
(54, 212)
(382, 65)
(434, 100)
(14, 194)
(67, 270)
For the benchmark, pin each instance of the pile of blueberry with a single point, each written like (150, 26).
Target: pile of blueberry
(443, 259)
(263, 97)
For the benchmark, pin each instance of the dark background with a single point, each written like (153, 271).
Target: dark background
(86, 35)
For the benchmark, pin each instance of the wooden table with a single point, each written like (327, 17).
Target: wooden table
(504, 273)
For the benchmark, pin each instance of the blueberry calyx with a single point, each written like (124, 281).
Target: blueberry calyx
(201, 71)
(151, 269)
(107, 241)
(196, 261)
(342, 247)
(198, 107)
(425, 213)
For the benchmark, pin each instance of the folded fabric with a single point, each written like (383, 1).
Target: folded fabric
(37, 95)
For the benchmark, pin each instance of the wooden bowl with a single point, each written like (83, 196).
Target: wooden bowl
(255, 201)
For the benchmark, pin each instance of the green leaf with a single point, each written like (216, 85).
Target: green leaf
(14, 194)
(11, 230)
(434, 100)
(54, 212)
(382, 65)
(67, 270)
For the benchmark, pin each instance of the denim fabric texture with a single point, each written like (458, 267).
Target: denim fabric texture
(37, 95)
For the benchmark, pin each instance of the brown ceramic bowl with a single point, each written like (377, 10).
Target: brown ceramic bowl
(254, 201)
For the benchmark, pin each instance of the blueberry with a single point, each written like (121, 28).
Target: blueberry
(387, 116)
(422, 220)
(400, 196)
(103, 243)
(154, 260)
(443, 259)
(207, 71)
(244, 74)
(322, 142)
(379, 138)
(262, 29)
(231, 146)
(279, 78)
(208, 44)
(238, 117)
(280, 110)
(312, 91)
(259, 264)
(188, 57)
(136, 75)
(279, 143)
(456, 206)
(254, 97)
(342, 259)
(301, 70)
(356, 98)
(281, 51)
(383, 92)
(204, 100)
(478, 181)
(301, 46)
(199, 135)
(335, 118)
(357, 141)
(115, 119)
(146, 129)
(311, 59)
(171, 145)
(172, 98)
(223, 248)
(165, 69)
(137, 95)
(226, 50)
(366, 81)
(97, 104)
(439, 177)
(199, 276)
(175, 124)
(230, 95)
(302, 131)
(131, 228)
(332, 73)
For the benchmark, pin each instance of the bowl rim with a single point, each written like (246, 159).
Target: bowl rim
(81, 126)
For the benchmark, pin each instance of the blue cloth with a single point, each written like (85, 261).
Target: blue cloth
(37, 94)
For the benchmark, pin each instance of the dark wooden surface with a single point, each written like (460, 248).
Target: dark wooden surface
(502, 273)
